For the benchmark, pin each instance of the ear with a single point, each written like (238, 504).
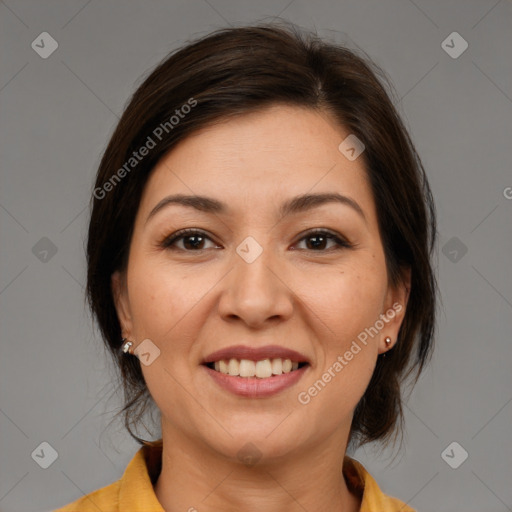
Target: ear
(395, 306)
(122, 304)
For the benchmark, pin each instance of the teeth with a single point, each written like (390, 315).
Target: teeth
(247, 368)
(223, 367)
(277, 366)
(233, 367)
(263, 369)
(260, 369)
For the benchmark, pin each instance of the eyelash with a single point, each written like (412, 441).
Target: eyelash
(167, 242)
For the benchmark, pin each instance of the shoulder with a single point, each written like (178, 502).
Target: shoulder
(372, 498)
(133, 491)
(105, 499)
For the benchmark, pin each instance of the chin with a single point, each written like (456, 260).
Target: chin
(259, 439)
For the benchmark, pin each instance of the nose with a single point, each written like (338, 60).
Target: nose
(256, 292)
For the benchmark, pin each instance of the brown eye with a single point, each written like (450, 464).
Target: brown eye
(193, 240)
(320, 238)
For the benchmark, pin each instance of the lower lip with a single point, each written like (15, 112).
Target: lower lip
(253, 387)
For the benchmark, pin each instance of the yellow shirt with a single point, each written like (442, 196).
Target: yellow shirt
(134, 492)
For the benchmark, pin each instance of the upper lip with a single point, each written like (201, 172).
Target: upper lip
(255, 354)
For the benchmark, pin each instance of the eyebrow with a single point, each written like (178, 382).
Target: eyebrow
(292, 206)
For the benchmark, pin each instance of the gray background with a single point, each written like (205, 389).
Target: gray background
(56, 384)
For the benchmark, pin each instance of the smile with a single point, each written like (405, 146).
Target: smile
(254, 386)
(262, 369)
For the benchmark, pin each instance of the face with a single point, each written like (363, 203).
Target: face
(309, 278)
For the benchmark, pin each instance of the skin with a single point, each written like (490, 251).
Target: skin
(192, 302)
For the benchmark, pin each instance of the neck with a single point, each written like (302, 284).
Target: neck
(195, 478)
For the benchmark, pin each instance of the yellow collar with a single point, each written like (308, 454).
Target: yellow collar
(136, 489)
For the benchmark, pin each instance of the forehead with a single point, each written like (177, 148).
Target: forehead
(256, 160)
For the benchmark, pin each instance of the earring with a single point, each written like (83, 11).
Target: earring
(127, 347)
(388, 340)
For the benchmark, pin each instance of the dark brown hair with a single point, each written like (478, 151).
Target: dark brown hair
(235, 71)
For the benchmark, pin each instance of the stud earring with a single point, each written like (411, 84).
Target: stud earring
(127, 346)
(388, 340)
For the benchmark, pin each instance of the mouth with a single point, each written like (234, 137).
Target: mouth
(262, 369)
(257, 378)
(260, 362)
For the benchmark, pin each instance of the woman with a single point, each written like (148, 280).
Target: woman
(259, 263)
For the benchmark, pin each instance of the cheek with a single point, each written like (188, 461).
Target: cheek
(346, 301)
(346, 309)
(160, 297)
(165, 305)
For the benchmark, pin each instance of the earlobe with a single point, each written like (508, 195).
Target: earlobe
(120, 297)
(395, 308)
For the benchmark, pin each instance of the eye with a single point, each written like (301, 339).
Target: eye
(321, 237)
(193, 240)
